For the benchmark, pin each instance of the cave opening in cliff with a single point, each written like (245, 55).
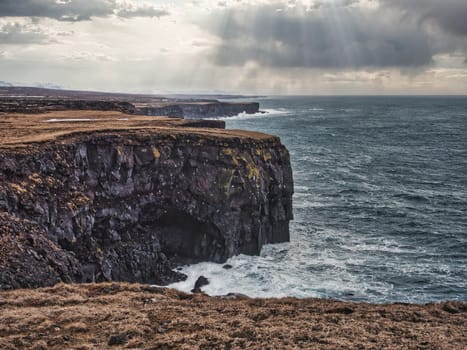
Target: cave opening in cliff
(185, 239)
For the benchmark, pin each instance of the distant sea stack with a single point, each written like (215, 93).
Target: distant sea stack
(107, 196)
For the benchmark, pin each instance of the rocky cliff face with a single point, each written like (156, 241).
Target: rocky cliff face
(173, 111)
(218, 109)
(129, 205)
(214, 109)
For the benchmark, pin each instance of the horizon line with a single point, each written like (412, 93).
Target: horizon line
(238, 94)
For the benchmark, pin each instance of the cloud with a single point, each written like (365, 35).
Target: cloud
(130, 10)
(309, 47)
(16, 33)
(144, 11)
(449, 15)
(77, 10)
(89, 56)
(330, 37)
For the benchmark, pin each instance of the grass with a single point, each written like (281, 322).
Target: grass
(87, 316)
(21, 130)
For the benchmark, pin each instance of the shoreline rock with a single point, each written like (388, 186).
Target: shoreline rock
(200, 282)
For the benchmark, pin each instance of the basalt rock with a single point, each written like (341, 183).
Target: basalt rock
(189, 110)
(218, 109)
(29, 259)
(200, 282)
(130, 201)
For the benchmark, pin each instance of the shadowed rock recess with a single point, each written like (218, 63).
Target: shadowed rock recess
(127, 199)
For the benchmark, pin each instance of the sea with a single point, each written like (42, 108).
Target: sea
(380, 202)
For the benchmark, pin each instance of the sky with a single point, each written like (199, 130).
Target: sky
(296, 47)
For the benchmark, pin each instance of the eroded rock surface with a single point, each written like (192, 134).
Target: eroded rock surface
(131, 201)
(29, 259)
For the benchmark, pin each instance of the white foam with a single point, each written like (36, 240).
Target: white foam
(265, 277)
(252, 276)
(263, 113)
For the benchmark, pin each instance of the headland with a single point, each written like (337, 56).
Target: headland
(97, 189)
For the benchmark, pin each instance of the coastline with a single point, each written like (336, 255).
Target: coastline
(109, 314)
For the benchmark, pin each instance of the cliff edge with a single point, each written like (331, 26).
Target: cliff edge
(100, 196)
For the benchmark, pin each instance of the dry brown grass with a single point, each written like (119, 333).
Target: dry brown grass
(24, 129)
(86, 316)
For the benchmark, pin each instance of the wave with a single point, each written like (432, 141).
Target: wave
(264, 276)
(262, 113)
(412, 197)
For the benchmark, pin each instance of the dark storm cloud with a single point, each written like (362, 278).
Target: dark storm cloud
(15, 33)
(449, 15)
(73, 10)
(60, 10)
(329, 37)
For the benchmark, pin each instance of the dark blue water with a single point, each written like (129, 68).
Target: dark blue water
(380, 201)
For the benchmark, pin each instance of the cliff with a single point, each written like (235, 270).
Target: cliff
(210, 109)
(154, 106)
(100, 196)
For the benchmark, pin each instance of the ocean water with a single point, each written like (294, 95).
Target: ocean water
(380, 202)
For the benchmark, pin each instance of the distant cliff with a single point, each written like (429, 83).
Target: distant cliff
(176, 109)
(43, 105)
(212, 109)
(128, 200)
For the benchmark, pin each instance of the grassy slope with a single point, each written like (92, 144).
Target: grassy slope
(86, 317)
